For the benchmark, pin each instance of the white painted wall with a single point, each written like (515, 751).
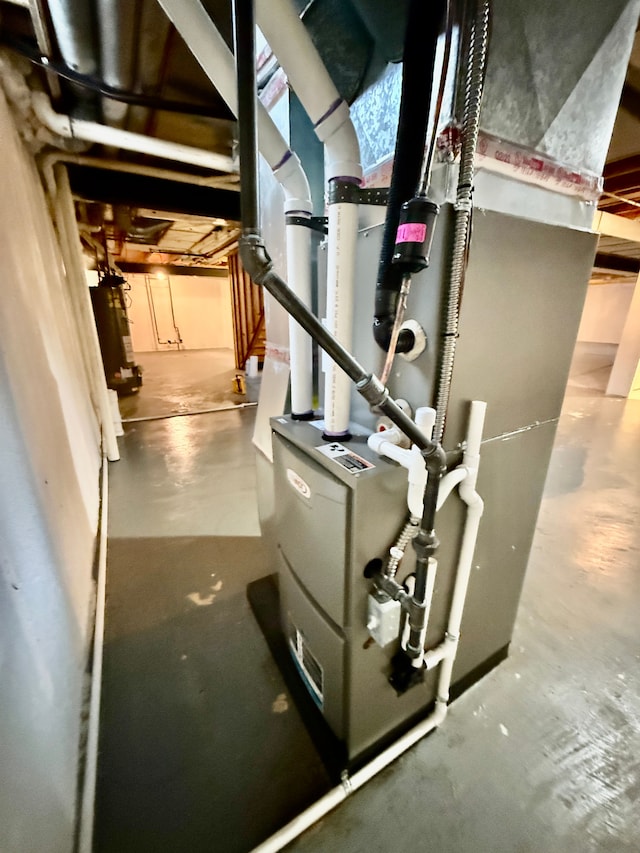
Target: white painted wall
(605, 312)
(49, 499)
(202, 309)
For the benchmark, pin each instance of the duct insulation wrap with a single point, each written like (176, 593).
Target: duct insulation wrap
(343, 232)
(301, 354)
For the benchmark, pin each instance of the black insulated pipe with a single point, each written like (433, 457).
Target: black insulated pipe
(244, 28)
(424, 25)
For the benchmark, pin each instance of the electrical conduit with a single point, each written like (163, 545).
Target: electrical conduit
(208, 47)
(474, 84)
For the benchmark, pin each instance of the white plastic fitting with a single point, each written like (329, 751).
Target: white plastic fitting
(384, 444)
(419, 340)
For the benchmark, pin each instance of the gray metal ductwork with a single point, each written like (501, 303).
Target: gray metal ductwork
(74, 23)
(118, 22)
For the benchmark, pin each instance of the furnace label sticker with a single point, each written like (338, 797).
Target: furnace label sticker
(349, 460)
(308, 665)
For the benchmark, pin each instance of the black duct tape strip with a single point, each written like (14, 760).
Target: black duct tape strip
(315, 223)
(349, 193)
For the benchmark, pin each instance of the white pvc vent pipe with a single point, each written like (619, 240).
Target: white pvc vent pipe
(341, 256)
(292, 44)
(208, 47)
(90, 131)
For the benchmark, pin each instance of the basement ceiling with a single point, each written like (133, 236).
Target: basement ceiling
(122, 63)
(80, 52)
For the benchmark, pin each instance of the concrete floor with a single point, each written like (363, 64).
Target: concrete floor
(541, 756)
(182, 382)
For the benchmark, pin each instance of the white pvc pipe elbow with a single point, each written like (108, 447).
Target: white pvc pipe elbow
(292, 44)
(203, 39)
(89, 131)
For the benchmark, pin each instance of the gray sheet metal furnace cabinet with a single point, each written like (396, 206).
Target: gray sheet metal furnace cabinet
(521, 308)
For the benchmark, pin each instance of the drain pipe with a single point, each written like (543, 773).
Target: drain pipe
(89, 131)
(208, 47)
(446, 651)
(329, 114)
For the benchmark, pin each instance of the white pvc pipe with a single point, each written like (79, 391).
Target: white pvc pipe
(385, 444)
(448, 484)
(87, 809)
(208, 47)
(81, 300)
(306, 72)
(300, 348)
(115, 412)
(203, 39)
(341, 252)
(89, 131)
(307, 75)
(228, 182)
(340, 793)
(475, 508)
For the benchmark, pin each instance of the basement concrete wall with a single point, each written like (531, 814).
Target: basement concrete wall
(605, 311)
(49, 500)
(201, 307)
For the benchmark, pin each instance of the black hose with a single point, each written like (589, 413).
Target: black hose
(424, 25)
